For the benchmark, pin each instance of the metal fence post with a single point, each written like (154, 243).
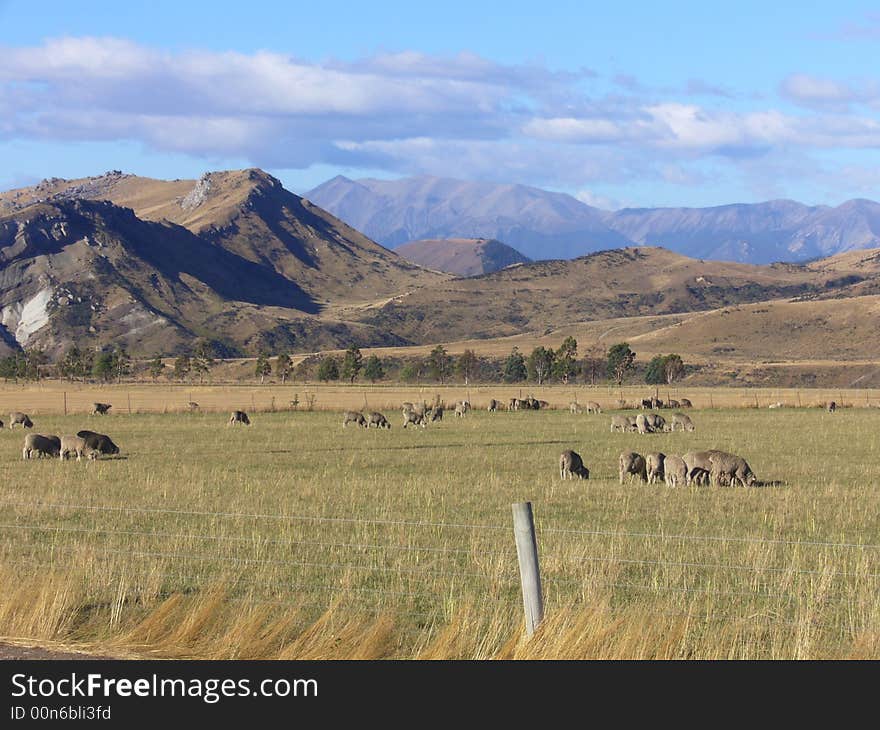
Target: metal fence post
(529, 571)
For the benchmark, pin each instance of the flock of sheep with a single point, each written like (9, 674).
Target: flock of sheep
(85, 443)
(695, 467)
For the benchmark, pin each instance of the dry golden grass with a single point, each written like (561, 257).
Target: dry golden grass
(295, 538)
(50, 397)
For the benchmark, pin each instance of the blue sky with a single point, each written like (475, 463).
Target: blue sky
(643, 104)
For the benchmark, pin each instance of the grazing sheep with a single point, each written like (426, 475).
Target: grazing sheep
(418, 417)
(647, 403)
(730, 469)
(656, 422)
(100, 409)
(682, 421)
(436, 413)
(543, 404)
(656, 402)
(192, 405)
(642, 424)
(654, 463)
(513, 404)
(378, 420)
(673, 404)
(354, 417)
(99, 442)
(632, 464)
(699, 466)
(573, 407)
(592, 407)
(461, 408)
(40, 445)
(777, 404)
(75, 445)
(674, 471)
(571, 464)
(684, 403)
(493, 405)
(832, 406)
(19, 419)
(239, 417)
(620, 423)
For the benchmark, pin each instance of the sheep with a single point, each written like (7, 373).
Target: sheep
(493, 405)
(571, 464)
(620, 423)
(655, 422)
(682, 421)
(75, 445)
(632, 464)
(592, 407)
(674, 471)
(654, 463)
(656, 402)
(699, 466)
(684, 403)
(832, 406)
(642, 424)
(573, 407)
(354, 417)
(418, 417)
(192, 406)
(436, 413)
(543, 404)
(239, 417)
(777, 404)
(673, 404)
(462, 407)
(40, 445)
(730, 468)
(100, 409)
(99, 442)
(513, 404)
(377, 420)
(20, 419)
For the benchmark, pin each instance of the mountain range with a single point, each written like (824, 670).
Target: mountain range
(551, 225)
(236, 259)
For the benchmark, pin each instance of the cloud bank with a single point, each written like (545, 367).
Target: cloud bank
(413, 113)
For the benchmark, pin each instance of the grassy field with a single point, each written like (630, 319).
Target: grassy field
(294, 538)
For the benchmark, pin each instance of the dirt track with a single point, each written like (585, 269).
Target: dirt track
(13, 651)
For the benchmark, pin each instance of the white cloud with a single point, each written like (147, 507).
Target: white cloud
(410, 112)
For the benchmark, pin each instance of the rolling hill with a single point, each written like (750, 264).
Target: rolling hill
(609, 284)
(461, 256)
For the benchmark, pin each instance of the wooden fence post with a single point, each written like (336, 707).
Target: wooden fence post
(65, 402)
(128, 396)
(529, 571)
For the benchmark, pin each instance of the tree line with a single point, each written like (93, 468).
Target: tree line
(544, 365)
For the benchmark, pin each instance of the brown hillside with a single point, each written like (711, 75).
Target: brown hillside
(461, 256)
(610, 284)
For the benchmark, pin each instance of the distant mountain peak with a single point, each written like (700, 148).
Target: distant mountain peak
(551, 225)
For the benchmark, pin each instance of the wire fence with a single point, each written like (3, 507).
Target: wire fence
(418, 568)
